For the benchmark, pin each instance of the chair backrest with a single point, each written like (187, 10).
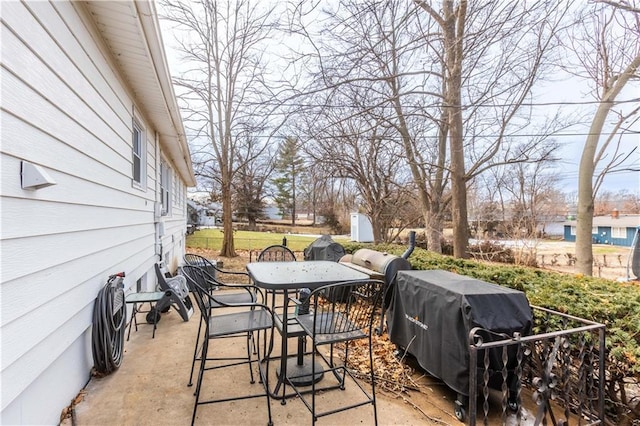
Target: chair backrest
(216, 272)
(352, 313)
(196, 260)
(276, 253)
(202, 262)
(201, 277)
(198, 281)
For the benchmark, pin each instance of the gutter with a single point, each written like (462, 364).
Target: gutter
(148, 19)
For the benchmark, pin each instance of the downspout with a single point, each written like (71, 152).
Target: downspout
(157, 205)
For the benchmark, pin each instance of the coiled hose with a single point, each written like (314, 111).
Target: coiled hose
(109, 325)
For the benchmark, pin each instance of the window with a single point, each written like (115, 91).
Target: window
(165, 188)
(573, 230)
(138, 156)
(618, 232)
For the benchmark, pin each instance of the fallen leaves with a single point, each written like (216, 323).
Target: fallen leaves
(390, 373)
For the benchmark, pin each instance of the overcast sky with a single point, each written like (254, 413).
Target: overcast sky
(569, 94)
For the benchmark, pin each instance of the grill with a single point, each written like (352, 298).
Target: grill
(378, 265)
(381, 266)
(432, 316)
(324, 248)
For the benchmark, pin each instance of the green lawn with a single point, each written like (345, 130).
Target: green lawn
(248, 240)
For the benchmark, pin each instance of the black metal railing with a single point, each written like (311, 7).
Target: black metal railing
(553, 376)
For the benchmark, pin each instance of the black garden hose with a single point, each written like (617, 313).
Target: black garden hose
(109, 324)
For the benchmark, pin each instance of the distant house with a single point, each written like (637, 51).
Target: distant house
(614, 229)
(95, 167)
(207, 215)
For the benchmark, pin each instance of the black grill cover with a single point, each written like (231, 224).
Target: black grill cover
(437, 310)
(324, 248)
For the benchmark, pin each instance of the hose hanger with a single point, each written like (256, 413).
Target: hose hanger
(109, 320)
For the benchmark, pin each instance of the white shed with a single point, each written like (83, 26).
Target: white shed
(361, 228)
(95, 167)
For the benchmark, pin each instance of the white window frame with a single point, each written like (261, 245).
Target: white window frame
(138, 153)
(573, 230)
(165, 188)
(618, 232)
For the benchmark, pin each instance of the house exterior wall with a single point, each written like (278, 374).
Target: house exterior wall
(66, 108)
(604, 236)
(628, 241)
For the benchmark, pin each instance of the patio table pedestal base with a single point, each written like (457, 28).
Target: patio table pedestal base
(300, 375)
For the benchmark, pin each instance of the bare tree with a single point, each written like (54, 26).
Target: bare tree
(222, 85)
(251, 179)
(630, 203)
(356, 147)
(531, 195)
(452, 82)
(493, 53)
(518, 194)
(608, 50)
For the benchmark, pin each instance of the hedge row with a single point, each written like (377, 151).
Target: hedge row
(615, 304)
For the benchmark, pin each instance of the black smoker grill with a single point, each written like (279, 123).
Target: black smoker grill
(381, 266)
(432, 313)
(324, 248)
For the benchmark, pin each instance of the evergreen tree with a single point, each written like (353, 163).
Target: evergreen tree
(290, 169)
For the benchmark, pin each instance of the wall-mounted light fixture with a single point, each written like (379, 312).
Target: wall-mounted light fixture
(34, 177)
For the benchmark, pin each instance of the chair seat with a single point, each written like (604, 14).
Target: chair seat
(231, 298)
(239, 322)
(329, 328)
(144, 297)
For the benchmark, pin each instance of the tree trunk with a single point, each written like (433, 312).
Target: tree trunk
(228, 245)
(433, 222)
(228, 248)
(584, 242)
(453, 43)
(293, 201)
(253, 224)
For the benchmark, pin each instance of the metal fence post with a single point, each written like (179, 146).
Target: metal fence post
(473, 382)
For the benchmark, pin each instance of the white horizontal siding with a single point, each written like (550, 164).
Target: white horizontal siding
(93, 182)
(81, 65)
(50, 114)
(64, 107)
(53, 295)
(46, 251)
(173, 240)
(84, 104)
(51, 217)
(30, 367)
(28, 409)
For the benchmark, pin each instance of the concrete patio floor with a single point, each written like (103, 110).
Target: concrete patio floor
(150, 388)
